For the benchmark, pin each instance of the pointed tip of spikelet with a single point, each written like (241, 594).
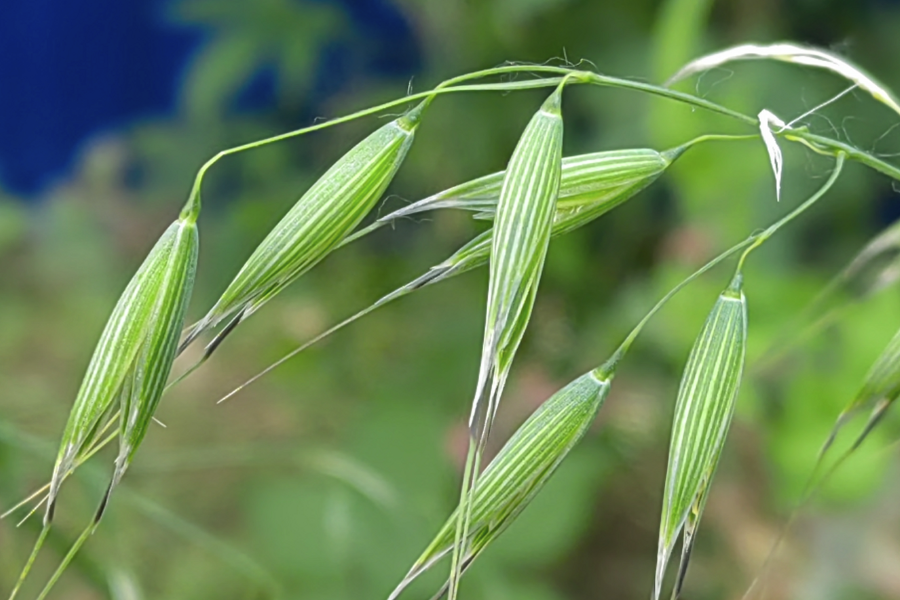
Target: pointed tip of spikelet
(411, 120)
(553, 104)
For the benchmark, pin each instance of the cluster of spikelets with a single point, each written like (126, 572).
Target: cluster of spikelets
(539, 196)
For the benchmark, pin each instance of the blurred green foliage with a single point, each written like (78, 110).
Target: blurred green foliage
(326, 479)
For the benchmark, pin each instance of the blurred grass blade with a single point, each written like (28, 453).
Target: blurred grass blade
(130, 365)
(875, 268)
(703, 413)
(316, 224)
(520, 470)
(879, 390)
(793, 53)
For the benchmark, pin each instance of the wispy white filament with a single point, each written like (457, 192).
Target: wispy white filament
(766, 120)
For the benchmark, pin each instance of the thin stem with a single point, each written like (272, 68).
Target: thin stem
(772, 229)
(34, 553)
(817, 143)
(623, 348)
(68, 559)
(830, 147)
(192, 207)
(715, 137)
(460, 543)
(655, 90)
(749, 244)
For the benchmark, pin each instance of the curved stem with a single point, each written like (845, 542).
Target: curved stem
(192, 207)
(655, 90)
(609, 367)
(815, 142)
(748, 245)
(772, 229)
(818, 143)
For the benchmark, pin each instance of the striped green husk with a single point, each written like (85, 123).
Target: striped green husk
(520, 470)
(703, 414)
(586, 182)
(318, 222)
(584, 179)
(522, 227)
(134, 356)
(573, 211)
(477, 251)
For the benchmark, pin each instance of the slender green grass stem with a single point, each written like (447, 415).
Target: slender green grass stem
(70, 555)
(45, 531)
(663, 92)
(463, 517)
(192, 207)
(765, 235)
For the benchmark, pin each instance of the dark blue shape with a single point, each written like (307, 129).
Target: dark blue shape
(68, 69)
(71, 69)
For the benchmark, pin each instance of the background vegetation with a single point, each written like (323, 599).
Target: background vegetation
(326, 479)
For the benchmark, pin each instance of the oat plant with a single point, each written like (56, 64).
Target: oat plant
(540, 196)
